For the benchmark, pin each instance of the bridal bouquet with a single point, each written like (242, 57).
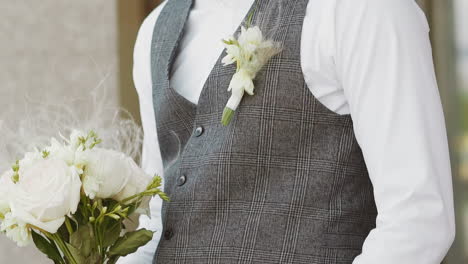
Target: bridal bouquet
(71, 199)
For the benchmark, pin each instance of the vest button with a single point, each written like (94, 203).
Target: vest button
(181, 181)
(199, 131)
(168, 234)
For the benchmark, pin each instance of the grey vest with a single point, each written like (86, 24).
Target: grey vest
(284, 182)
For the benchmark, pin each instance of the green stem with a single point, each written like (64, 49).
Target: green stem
(65, 250)
(250, 16)
(68, 225)
(228, 113)
(96, 235)
(139, 195)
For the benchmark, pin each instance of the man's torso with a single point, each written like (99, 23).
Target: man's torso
(285, 182)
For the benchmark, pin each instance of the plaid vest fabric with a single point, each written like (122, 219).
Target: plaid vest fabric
(284, 182)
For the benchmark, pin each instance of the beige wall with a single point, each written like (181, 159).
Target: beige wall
(130, 17)
(51, 50)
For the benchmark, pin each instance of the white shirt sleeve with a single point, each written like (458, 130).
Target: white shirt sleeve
(384, 64)
(151, 156)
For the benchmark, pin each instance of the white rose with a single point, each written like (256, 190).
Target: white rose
(45, 193)
(137, 182)
(111, 174)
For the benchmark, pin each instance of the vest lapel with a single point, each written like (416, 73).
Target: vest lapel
(166, 36)
(171, 32)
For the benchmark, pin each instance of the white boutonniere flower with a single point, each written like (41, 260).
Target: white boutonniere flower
(250, 52)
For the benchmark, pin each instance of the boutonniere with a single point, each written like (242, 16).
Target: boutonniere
(250, 51)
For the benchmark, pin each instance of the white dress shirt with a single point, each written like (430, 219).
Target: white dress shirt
(368, 58)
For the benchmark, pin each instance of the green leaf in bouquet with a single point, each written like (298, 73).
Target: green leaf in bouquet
(76, 253)
(94, 258)
(80, 217)
(47, 247)
(132, 208)
(130, 242)
(63, 232)
(112, 233)
(113, 260)
(83, 239)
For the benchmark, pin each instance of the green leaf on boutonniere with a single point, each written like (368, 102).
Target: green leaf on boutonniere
(130, 242)
(250, 17)
(230, 42)
(228, 113)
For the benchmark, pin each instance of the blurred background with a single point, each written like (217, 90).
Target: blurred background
(51, 50)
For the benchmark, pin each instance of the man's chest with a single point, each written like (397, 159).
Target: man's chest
(209, 22)
(200, 44)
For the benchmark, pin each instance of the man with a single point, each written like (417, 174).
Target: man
(340, 156)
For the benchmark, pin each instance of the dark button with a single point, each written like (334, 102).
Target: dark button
(181, 181)
(168, 234)
(199, 131)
